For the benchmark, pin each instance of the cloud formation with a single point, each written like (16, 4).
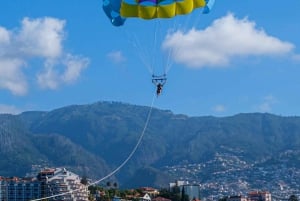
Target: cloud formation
(267, 104)
(9, 109)
(11, 75)
(37, 39)
(52, 76)
(219, 108)
(218, 44)
(116, 57)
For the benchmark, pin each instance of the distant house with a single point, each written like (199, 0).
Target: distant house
(152, 192)
(160, 199)
(259, 196)
(236, 198)
(146, 197)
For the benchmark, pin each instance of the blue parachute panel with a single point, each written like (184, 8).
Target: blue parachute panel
(209, 5)
(112, 10)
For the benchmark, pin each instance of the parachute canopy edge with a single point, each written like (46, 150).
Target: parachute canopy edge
(118, 10)
(112, 10)
(208, 6)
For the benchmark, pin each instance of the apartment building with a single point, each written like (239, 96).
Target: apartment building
(49, 182)
(191, 190)
(19, 189)
(259, 196)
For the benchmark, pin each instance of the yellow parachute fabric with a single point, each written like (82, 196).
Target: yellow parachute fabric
(160, 11)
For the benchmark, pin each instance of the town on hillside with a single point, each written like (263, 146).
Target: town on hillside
(62, 184)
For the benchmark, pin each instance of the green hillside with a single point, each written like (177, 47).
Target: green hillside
(96, 138)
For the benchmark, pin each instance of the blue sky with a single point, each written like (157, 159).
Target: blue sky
(242, 57)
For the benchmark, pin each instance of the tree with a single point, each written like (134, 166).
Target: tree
(182, 194)
(174, 194)
(108, 184)
(293, 198)
(223, 198)
(84, 180)
(184, 197)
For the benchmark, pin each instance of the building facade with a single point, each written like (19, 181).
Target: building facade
(191, 190)
(236, 198)
(19, 189)
(259, 196)
(49, 182)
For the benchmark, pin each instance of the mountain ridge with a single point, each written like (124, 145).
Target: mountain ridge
(96, 138)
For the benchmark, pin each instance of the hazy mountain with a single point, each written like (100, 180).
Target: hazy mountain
(93, 139)
(16, 148)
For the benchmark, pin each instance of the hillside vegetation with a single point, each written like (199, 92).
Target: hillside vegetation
(94, 139)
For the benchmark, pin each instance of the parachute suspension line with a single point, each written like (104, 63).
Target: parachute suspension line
(154, 56)
(150, 52)
(170, 53)
(197, 21)
(141, 52)
(120, 166)
(170, 61)
(187, 21)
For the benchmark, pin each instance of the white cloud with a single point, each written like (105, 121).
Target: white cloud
(267, 104)
(41, 39)
(12, 77)
(219, 108)
(53, 75)
(49, 76)
(296, 57)
(9, 109)
(4, 36)
(218, 44)
(75, 65)
(116, 57)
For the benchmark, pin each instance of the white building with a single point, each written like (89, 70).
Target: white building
(259, 196)
(146, 197)
(64, 183)
(49, 182)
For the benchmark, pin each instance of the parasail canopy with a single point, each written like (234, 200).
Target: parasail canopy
(118, 10)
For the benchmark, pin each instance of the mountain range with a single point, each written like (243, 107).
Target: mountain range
(94, 139)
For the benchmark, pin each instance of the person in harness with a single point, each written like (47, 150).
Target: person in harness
(159, 82)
